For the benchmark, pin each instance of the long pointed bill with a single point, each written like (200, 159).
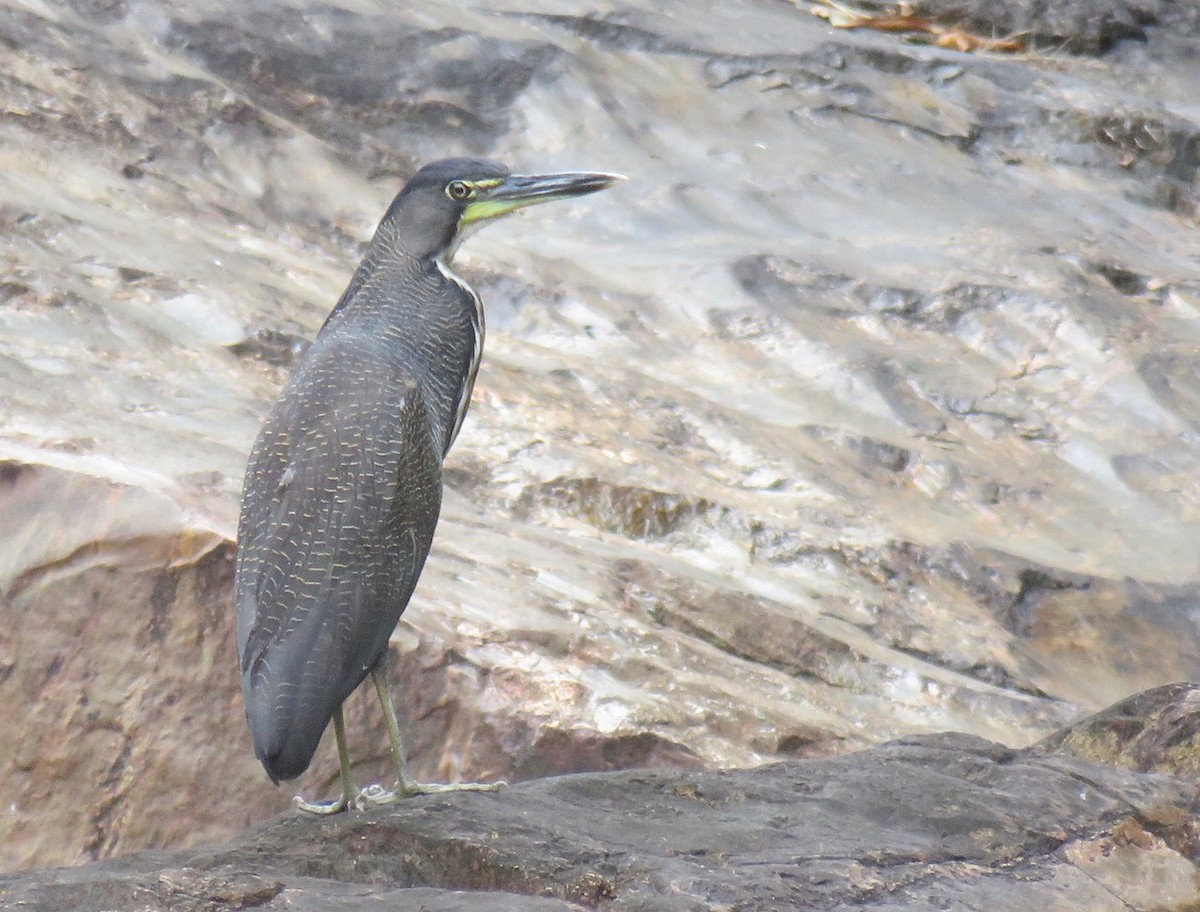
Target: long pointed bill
(519, 190)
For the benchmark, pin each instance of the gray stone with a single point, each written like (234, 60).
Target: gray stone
(926, 822)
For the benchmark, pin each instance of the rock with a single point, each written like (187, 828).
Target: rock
(1078, 26)
(1155, 731)
(926, 822)
(866, 408)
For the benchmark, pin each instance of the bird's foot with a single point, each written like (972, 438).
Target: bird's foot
(377, 795)
(412, 787)
(325, 808)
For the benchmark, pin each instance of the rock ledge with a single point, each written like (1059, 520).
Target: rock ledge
(928, 822)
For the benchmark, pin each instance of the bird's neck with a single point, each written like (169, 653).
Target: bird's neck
(423, 318)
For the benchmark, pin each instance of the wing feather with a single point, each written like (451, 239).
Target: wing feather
(341, 499)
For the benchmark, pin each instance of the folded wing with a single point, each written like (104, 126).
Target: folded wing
(341, 499)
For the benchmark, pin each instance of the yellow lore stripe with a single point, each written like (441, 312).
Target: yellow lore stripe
(479, 210)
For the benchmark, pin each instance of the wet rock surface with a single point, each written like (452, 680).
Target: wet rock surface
(866, 408)
(926, 822)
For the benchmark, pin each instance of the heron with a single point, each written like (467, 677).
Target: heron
(343, 486)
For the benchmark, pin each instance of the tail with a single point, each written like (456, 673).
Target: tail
(283, 747)
(288, 703)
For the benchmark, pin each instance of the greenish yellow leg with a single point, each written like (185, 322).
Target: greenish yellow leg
(350, 795)
(406, 783)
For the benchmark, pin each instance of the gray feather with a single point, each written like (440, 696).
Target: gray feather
(341, 499)
(344, 486)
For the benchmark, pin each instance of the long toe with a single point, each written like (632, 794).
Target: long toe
(377, 796)
(324, 808)
(408, 789)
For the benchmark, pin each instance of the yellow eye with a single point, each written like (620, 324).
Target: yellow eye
(459, 190)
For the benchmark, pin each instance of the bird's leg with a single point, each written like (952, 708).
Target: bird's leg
(350, 795)
(406, 783)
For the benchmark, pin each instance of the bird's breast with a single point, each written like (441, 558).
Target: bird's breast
(429, 325)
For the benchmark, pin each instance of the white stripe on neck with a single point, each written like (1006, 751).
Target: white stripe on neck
(477, 328)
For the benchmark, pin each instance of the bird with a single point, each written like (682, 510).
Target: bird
(343, 485)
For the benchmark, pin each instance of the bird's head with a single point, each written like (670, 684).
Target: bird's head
(447, 199)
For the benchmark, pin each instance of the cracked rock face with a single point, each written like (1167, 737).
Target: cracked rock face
(867, 407)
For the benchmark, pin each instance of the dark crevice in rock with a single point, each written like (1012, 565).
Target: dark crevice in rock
(12, 472)
(987, 672)
(739, 625)
(578, 751)
(612, 34)
(623, 509)
(1123, 280)
(271, 346)
(960, 142)
(104, 834)
(162, 599)
(789, 289)
(1033, 583)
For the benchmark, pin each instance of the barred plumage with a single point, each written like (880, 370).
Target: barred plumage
(344, 484)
